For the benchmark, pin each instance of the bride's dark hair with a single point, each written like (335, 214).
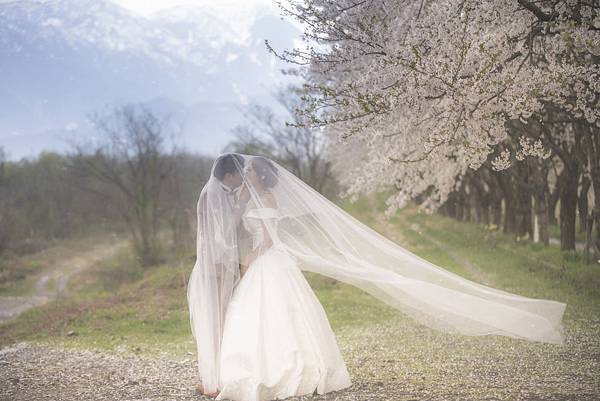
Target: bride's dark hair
(265, 170)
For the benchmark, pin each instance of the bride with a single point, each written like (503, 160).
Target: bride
(260, 331)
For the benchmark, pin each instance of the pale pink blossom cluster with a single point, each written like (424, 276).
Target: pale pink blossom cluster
(529, 147)
(425, 88)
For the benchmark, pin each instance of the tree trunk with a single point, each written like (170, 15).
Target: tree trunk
(568, 208)
(596, 218)
(540, 192)
(505, 182)
(592, 148)
(449, 207)
(474, 204)
(497, 210)
(589, 224)
(596, 215)
(482, 199)
(485, 212)
(460, 207)
(510, 217)
(522, 187)
(541, 213)
(466, 205)
(555, 196)
(583, 203)
(523, 218)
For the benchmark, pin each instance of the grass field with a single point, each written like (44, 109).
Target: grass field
(119, 307)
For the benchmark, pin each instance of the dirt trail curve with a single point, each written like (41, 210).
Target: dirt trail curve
(476, 273)
(11, 306)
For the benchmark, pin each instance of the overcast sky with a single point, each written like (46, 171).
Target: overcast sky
(147, 7)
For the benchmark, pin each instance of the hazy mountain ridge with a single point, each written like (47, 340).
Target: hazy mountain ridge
(64, 59)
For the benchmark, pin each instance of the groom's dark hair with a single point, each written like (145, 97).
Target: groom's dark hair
(228, 163)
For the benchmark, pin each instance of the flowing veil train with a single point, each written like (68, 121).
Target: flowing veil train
(323, 238)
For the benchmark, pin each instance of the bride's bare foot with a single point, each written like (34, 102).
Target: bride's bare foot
(200, 390)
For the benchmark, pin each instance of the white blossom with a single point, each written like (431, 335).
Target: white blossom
(426, 88)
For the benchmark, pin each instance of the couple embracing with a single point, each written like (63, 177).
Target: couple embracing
(260, 331)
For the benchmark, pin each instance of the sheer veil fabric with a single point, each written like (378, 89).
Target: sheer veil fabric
(324, 239)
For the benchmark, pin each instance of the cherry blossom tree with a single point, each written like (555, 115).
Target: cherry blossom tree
(433, 91)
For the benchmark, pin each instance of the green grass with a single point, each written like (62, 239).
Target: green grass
(347, 306)
(523, 267)
(115, 309)
(118, 306)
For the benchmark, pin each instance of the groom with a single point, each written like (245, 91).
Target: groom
(227, 171)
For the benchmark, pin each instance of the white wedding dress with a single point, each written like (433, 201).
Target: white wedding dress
(277, 341)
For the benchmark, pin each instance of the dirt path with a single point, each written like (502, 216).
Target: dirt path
(12, 306)
(476, 273)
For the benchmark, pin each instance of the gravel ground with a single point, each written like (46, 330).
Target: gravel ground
(39, 372)
(397, 361)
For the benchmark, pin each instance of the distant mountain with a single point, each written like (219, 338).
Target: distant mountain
(64, 59)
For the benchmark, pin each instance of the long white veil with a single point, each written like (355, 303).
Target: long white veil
(324, 239)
